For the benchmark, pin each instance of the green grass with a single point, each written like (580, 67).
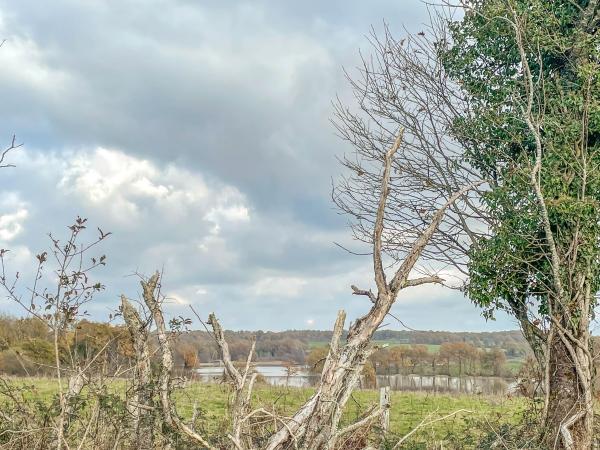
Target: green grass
(431, 348)
(407, 411)
(514, 364)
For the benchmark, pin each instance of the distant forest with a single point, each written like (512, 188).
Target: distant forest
(294, 345)
(26, 344)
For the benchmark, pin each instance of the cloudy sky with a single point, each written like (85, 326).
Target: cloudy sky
(198, 133)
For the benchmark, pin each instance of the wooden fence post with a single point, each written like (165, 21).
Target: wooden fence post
(384, 404)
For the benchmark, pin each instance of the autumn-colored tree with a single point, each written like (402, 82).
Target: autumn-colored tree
(418, 355)
(493, 361)
(369, 376)
(316, 358)
(399, 357)
(463, 353)
(190, 357)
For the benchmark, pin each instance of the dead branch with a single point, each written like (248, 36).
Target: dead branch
(150, 296)
(141, 400)
(425, 423)
(375, 413)
(13, 145)
(242, 385)
(369, 293)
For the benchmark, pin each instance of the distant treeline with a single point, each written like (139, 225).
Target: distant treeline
(479, 339)
(449, 358)
(27, 347)
(294, 345)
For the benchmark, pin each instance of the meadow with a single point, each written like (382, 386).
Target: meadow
(408, 410)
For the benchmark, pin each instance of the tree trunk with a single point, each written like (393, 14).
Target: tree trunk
(140, 399)
(569, 417)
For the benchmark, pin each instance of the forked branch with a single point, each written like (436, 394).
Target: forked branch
(151, 298)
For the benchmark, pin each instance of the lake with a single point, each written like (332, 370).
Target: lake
(277, 375)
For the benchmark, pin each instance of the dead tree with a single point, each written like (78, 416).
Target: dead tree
(141, 400)
(152, 299)
(315, 426)
(243, 383)
(403, 85)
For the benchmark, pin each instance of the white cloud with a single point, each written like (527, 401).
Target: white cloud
(20, 257)
(129, 187)
(232, 213)
(12, 224)
(23, 63)
(217, 250)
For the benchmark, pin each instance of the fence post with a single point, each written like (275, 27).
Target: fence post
(384, 404)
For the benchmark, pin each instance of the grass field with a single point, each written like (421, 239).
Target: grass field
(407, 411)
(514, 365)
(432, 348)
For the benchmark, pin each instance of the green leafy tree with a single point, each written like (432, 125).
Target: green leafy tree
(530, 69)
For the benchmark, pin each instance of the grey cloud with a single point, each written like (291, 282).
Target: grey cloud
(243, 92)
(235, 94)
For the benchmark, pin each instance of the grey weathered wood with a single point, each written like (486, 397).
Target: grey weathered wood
(140, 400)
(384, 404)
(164, 385)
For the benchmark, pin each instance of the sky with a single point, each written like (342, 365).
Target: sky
(199, 134)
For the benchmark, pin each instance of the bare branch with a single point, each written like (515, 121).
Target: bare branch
(423, 280)
(401, 276)
(13, 145)
(425, 423)
(378, 228)
(369, 293)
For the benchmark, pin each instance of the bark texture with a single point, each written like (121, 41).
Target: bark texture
(140, 402)
(567, 418)
(151, 289)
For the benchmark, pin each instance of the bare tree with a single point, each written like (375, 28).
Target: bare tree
(242, 389)
(403, 85)
(58, 306)
(153, 300)
(316, 424)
